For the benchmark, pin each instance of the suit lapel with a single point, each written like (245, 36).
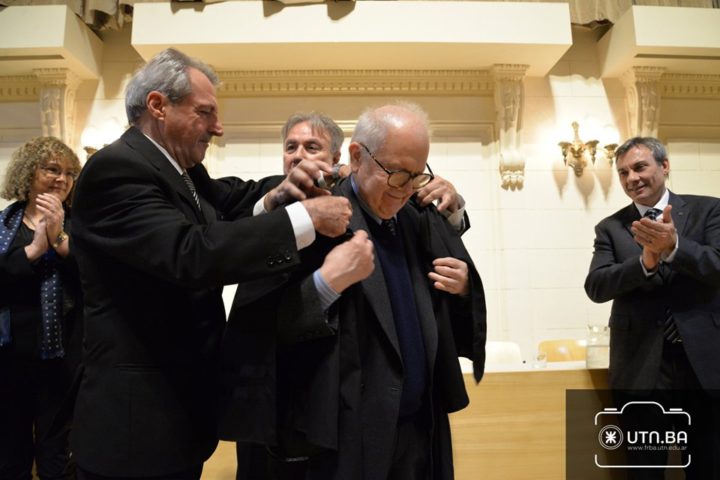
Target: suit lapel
(629, 215)
(140, 143)
(679, 213)
(374, 286)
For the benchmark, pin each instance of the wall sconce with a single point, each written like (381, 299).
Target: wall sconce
(574, 153)
(89, 151)
(610, 151)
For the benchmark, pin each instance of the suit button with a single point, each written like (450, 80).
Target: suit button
(287, 257)
(270, 261)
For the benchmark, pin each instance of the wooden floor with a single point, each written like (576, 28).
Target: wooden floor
(514, 428)
(221, 465)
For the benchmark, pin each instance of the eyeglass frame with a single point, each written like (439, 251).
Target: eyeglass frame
(411, 176)
(57, 172)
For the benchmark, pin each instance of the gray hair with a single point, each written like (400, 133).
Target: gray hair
(653, 144)
(374, 123)
(318, 123)
(166, 73)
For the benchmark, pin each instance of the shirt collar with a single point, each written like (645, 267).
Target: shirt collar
(362, 203)
(177, 166)
(660, 205)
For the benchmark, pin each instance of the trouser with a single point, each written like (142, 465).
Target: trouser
(31, 393)
(678, 387)
(190, 474)
(410, 457)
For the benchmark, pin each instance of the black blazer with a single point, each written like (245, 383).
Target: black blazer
(338, 388)
(152, 268)
(688, 287)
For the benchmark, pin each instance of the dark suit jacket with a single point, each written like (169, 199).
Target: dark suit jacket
(152, 268)
(688, 288)
(338, 388)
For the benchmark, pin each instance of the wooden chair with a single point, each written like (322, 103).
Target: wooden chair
(563, 350)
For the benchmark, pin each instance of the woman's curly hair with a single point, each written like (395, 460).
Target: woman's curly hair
(28, 158)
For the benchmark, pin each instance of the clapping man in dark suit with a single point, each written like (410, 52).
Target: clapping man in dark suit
(365, 392)
(153, 256)
(658, 260)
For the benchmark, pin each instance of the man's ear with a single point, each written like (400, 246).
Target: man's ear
(156, 103)
(355, 155)
(336, 158)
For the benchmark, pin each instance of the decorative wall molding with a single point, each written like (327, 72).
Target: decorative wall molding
(675, 85)
(509, 95)
(642, 100)
(20, 88)
(354, 82)
(17, 136)
(482, 132)
(57, 102)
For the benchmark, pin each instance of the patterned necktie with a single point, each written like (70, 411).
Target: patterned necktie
(191, 187)
(390, 226)
(670, 331)
(653, 213)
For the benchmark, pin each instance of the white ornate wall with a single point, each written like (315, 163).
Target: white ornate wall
(496, 136)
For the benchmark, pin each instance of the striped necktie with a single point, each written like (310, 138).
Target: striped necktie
(670, 331)
(653, 213)
(191, 187)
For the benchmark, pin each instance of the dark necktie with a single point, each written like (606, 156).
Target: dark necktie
(653, 213)
(191, 187)
(670, 331)
(390, 226)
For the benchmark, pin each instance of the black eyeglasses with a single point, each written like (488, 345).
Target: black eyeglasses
(400, 178)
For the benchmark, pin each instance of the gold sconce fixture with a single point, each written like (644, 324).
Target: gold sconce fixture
(90, 151)
(575, 154)
(610, 151)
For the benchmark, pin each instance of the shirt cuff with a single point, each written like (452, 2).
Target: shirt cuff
(671, 257)
(648, 273)
(327, 295)
(259, 207)
(302, 224)
(456, 218)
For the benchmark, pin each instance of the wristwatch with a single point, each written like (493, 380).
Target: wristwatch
(62, 236)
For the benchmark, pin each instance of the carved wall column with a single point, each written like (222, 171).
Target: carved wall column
(509, 96)
(642, 100)
(57, 102)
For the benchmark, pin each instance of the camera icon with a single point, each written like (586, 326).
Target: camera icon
(629, 426)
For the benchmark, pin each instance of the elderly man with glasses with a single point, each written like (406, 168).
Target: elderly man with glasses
(398, 301)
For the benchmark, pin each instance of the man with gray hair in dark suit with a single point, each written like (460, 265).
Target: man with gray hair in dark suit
(154, 250)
